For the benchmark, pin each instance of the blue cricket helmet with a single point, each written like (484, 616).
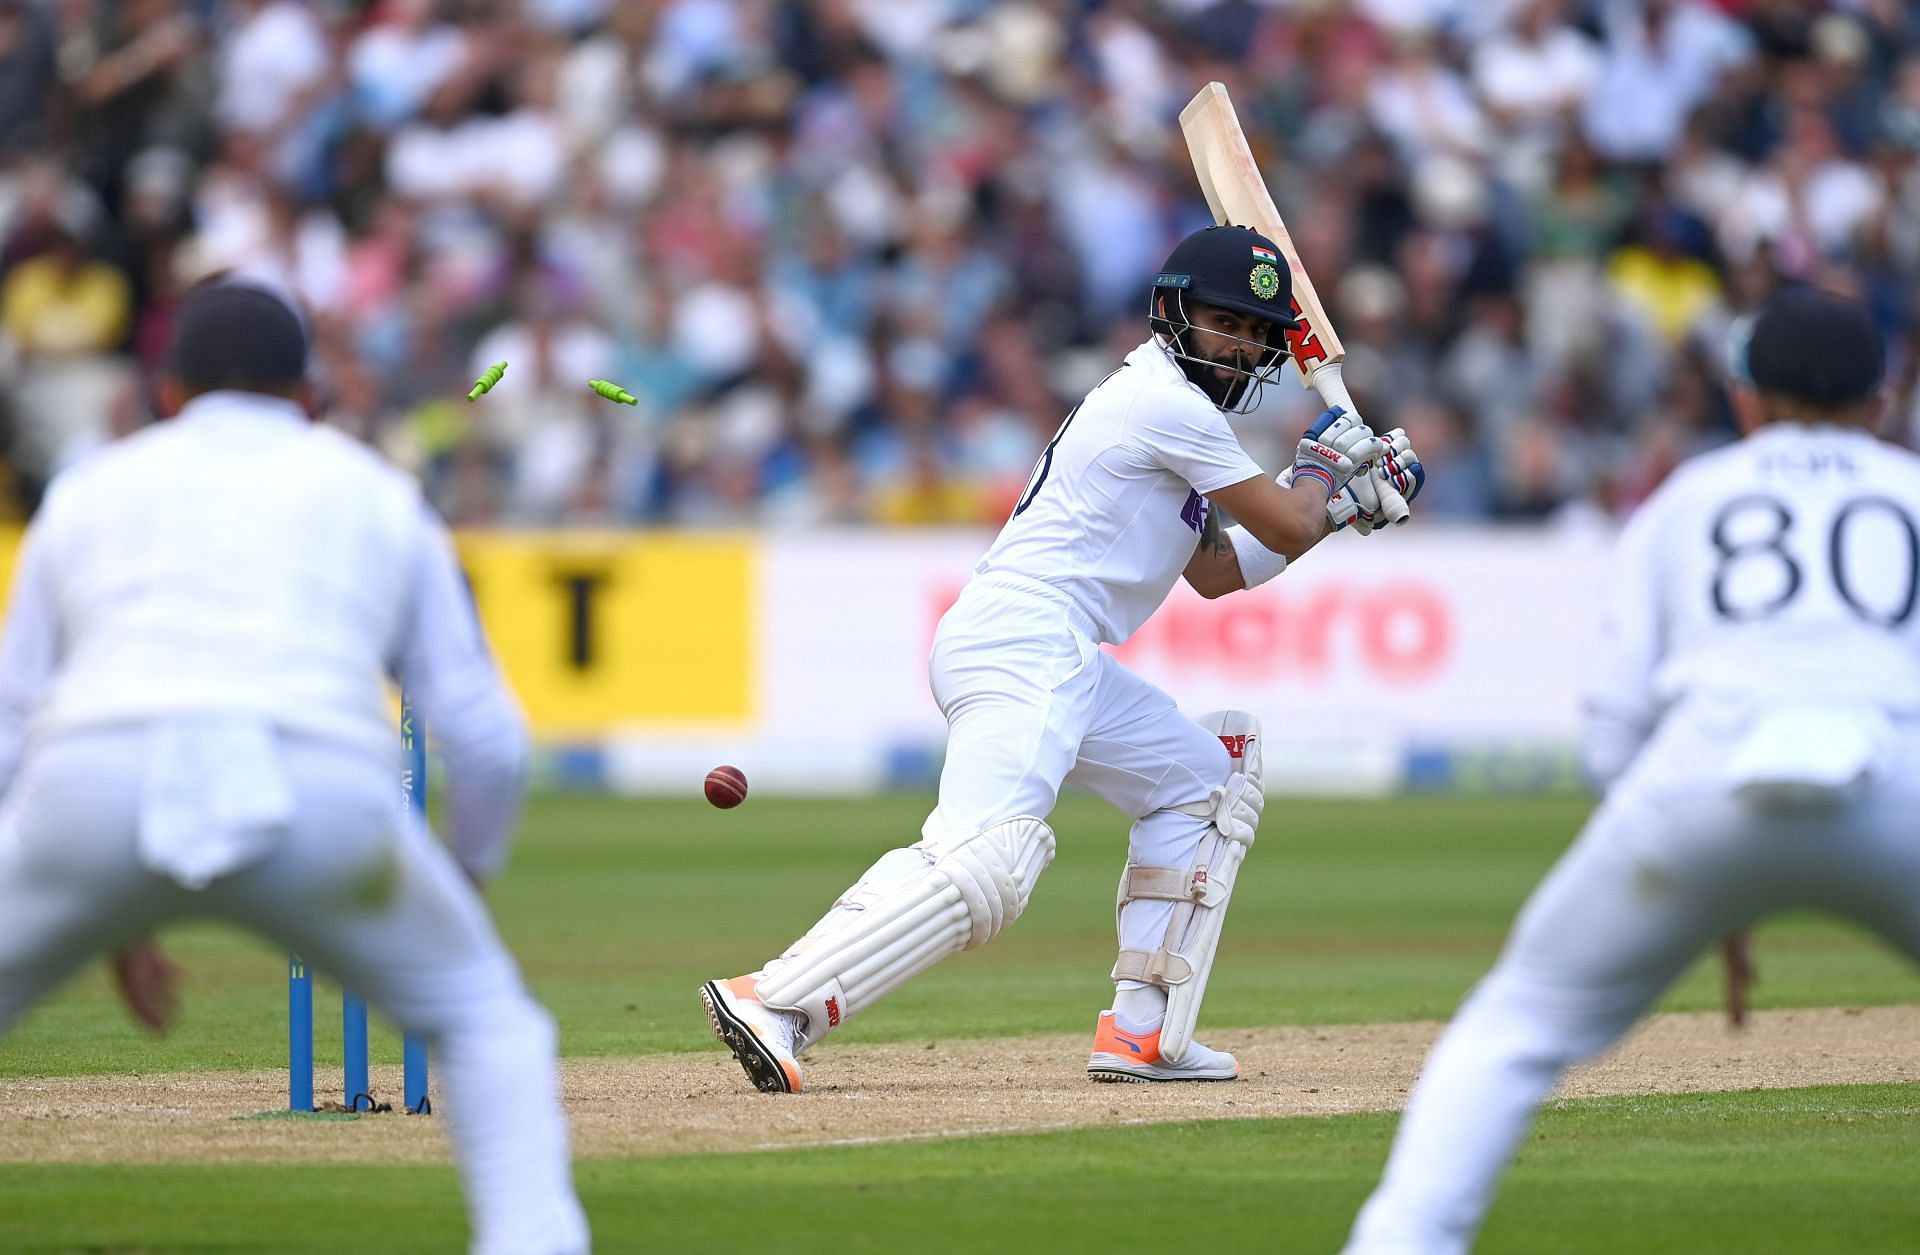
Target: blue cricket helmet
(1235, 267)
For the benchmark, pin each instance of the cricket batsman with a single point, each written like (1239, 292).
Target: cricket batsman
(1120, 506)
(194, 723)
(1756, 727)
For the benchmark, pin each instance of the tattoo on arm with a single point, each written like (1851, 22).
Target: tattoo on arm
(1214, 538)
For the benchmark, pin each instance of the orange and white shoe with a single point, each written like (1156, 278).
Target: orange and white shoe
(763, 1039)
(1119, 1055)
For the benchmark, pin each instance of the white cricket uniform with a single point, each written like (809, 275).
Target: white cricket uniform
(194, 722)
(1757, 717)
(1104, 529)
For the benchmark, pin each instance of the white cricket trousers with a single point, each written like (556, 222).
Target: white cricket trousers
(1672, 862)
(1031, 701)
(358, 888)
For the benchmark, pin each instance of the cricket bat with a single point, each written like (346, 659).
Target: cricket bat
(1238, 196)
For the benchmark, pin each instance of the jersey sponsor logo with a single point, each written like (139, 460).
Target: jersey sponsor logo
(833, 1013)
(1194, 512)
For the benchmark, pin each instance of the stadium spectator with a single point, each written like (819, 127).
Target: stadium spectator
(852, 257)
(26, 75)
(64, 311)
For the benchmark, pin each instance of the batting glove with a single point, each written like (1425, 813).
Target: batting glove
(1334, 449)
(1384, 493)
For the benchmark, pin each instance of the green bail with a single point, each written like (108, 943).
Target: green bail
(484, 384)
(613, 391)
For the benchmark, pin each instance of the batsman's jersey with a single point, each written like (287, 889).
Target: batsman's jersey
(1782, 570)
(1116, 504)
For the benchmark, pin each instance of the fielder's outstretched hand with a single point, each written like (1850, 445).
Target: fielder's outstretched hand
(148, 981)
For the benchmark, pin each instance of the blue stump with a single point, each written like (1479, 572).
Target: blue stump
(299, 1035)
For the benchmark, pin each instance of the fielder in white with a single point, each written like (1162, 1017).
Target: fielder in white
(194, 722)
(1117, 510)
(1757, 726)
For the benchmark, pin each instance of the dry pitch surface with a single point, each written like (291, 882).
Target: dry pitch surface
(692, 1103)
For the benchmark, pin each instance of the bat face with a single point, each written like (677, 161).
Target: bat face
(1237, 194)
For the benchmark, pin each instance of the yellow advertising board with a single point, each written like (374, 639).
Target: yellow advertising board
(9, 555)
(600, 630)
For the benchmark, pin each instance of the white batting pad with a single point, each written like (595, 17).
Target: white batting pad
(1200, 893)
(914, 907)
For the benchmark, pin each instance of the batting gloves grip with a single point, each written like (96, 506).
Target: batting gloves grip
(1334, 449)
(1367, 501)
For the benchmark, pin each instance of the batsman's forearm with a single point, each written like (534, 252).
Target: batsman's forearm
(1215, 569)
(1287, 520)
(1299, 522)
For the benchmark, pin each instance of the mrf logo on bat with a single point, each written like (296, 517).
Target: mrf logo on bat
(1304, 342)
(1235, 191)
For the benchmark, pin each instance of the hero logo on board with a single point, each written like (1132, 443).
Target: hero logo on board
(1401, 634)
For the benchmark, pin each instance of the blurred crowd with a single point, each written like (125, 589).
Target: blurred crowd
(858, 257)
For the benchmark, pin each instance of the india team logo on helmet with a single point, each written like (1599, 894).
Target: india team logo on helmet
(1264, 278)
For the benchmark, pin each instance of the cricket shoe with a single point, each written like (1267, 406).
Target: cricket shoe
(1119, 1055)
(764, 1041)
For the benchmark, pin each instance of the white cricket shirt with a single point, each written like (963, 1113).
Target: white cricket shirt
(1785, 568)
(1114, 508)
(242, 560)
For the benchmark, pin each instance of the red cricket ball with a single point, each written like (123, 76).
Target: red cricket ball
(726, 787)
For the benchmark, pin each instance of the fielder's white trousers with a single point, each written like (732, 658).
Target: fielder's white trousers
(355, 885)
(1031, 701)
(1670, 863)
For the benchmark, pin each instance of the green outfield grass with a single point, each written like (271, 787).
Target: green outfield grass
(1353, 911)
(1358, 911)
(1812, 1170)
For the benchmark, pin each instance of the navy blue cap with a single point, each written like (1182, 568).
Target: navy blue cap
(230, 333)
(1816, 347)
